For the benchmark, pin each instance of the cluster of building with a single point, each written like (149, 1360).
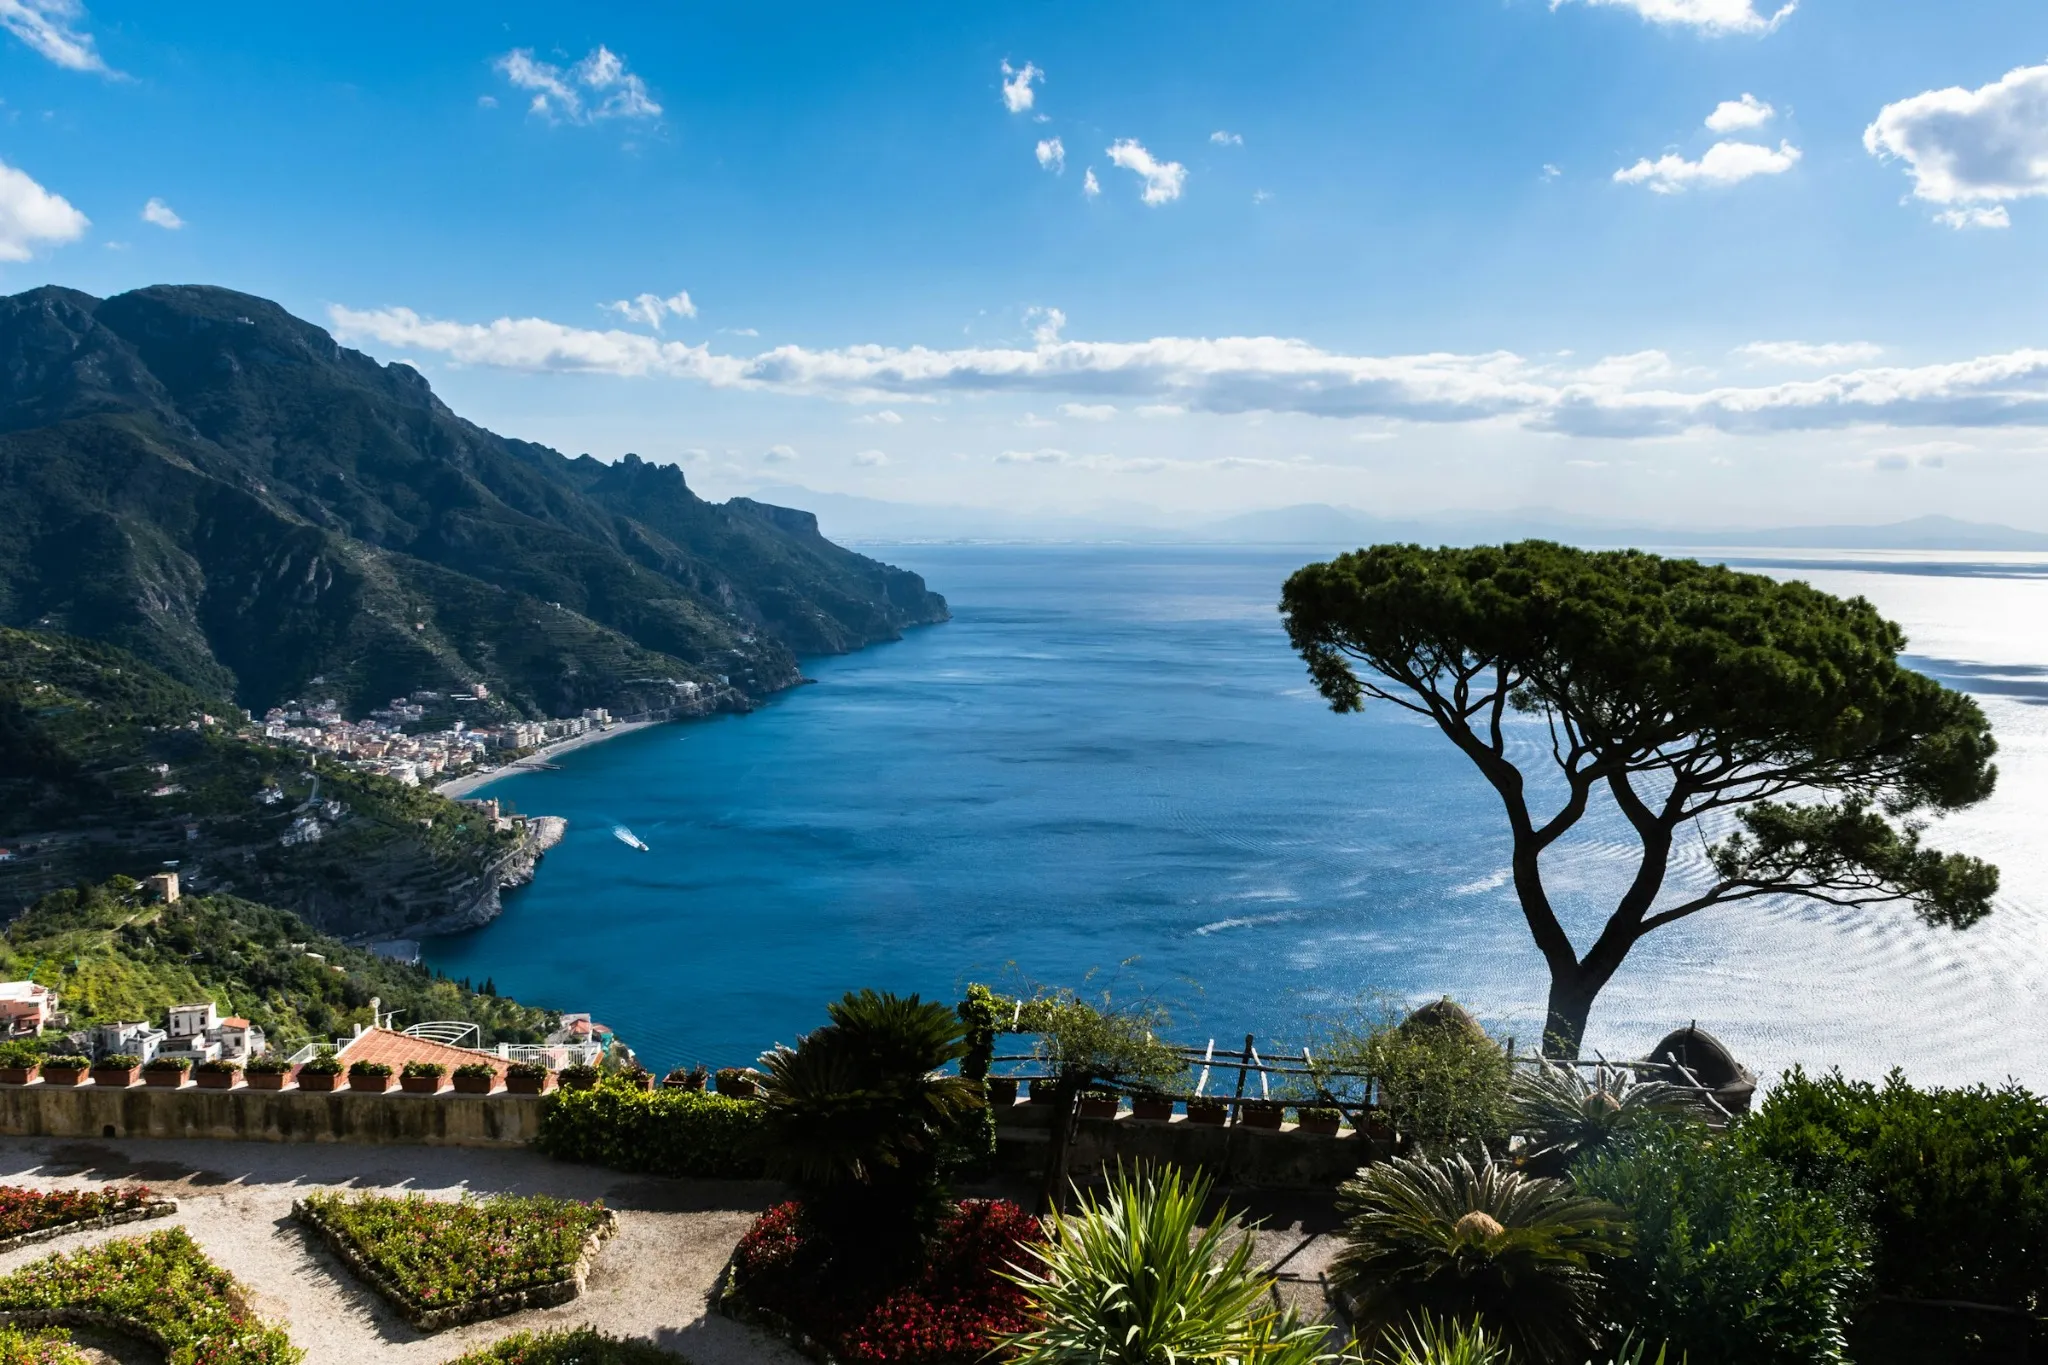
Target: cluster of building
(379, 742)
(197, 1033)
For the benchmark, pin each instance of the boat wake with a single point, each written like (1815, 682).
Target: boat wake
(628, 838)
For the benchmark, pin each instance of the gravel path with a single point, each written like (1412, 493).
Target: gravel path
(652, 1281)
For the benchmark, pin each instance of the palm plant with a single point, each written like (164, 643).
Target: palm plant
(857, 1112)
(1137, 1279)
(1429, 1340)
(1564, 1114)
(1475, 1243)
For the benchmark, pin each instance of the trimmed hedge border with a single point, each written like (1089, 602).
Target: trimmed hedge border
(456, 1314)
(685, 1133)
(155, 1208)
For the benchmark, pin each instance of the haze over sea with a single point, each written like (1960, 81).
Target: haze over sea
(1111, 756)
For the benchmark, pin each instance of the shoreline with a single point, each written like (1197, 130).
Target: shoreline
(470, 781)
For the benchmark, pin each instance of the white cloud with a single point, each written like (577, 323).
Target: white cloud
(1223, 139)
(1052, 155)
(597, 87)
(1551, 172)
(163, 215)
(1975, 217)
(1971, 146)
(1088, 412)
(1046, 324)
(50, 28)
(1637, 395)
(31, 216)
(1737, 116)
(884, 418)
(871, 459)
(741, 331)
(1090, 186)
(1158, 410)
(1031, 421)
(1725, 163)
(1033, 457)
(649, 309)
(1708, 16)
(779, 454)
(1163, 179)
(1810, 355)
(1018, 96)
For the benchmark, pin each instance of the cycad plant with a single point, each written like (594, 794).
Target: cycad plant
(1564, 1114)
(1428, 1340)
(1136, 1278)
(857, 1112)
(1466, 1243)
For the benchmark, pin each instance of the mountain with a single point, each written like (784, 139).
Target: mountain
(203, 479)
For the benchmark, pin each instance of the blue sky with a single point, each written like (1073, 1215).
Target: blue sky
(1467, 254)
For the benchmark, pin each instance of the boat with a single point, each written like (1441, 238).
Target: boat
(628, 838)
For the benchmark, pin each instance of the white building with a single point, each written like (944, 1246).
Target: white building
(199, 1032)
(25, 1007)
(136, 1040)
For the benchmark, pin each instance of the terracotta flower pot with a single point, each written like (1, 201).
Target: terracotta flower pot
(319, 1080)
(1324, 1125)
(474, 1085)
(1152, 1108)
(1002, 1091)
(63, 1075)
(1261, 1114)
(1098, 1106)
(1042, 1091)
(114, 1075)
(16, 1075)
(526, 1085)
(418, 1085)
(267, 1080)
(215, 1080)
(370, 1085)
(1211, 1112)
(163, 1080)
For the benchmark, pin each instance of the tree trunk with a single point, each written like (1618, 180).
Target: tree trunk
(1571, 1004)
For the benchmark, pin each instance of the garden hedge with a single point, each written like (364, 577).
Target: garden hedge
(653, 1132)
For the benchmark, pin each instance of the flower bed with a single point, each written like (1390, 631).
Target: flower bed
(160, 1288)
(445, 1262)
(950, 1311)
(563, 1346)
(46, 1346)
(28, 1216)
(663, 1132)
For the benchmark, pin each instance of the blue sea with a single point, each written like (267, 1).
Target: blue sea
(1109, 772)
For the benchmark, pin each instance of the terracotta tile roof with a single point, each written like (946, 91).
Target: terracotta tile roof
(234, 1023)
(395, 1049)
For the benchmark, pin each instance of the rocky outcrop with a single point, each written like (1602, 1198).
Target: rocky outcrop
(477, 901)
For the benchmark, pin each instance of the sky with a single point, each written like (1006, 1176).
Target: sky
(1684, 262)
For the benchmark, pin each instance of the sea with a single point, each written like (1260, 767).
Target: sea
(1109, 773)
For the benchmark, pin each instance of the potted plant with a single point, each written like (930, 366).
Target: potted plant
(1153, 1106)
(1002, 1091)
(1207, 1109)
(371, 1077)
(17, 1063)
(475, 1078)
(267, 1072)
(526, 1078)
(1098, 1104)
(323, 1072)
(639, 1078)
(167, 1072)
(116, 1068)
(1266, 1114)
(736, 1083)
(67, 1068)
(417, 1078)
(1044, 1090)
(1320, 1118)
(577, 1077)
(686, 1078)
(216, 1073)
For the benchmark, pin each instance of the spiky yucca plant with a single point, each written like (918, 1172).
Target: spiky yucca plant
(1467, 1243)
(1564, 1114)
(1428, 1340)
(1136, 1279)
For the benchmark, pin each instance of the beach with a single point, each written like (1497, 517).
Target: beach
(470, 781)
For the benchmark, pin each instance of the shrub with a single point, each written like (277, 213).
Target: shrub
(24, 1210)
(1462, 1241)
(119, 1061)
(480, 1071)
(370, 1070)
(68, 1061)
(321, 1064)
(1428, 1340)
(659, 1132)
(269, 1064)
(440, 1253)
(1734, 1264)
(164, 1289)
(1439, 1080)
(219, 1066)
(432, 1071)
(19, 1054)
(1954, 1183)
(687, 1078)
(169, 1063)
(576, 1077)
(1564, 1114)
(39, 1346)
(527, 1071)
(1083, 1042)
(1142, 1276)
(563, 1346)
(951, 1309)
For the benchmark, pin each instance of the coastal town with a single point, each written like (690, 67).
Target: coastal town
(382, 743)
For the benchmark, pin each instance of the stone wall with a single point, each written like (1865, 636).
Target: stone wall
(1283, 1158)
(291, 1115)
